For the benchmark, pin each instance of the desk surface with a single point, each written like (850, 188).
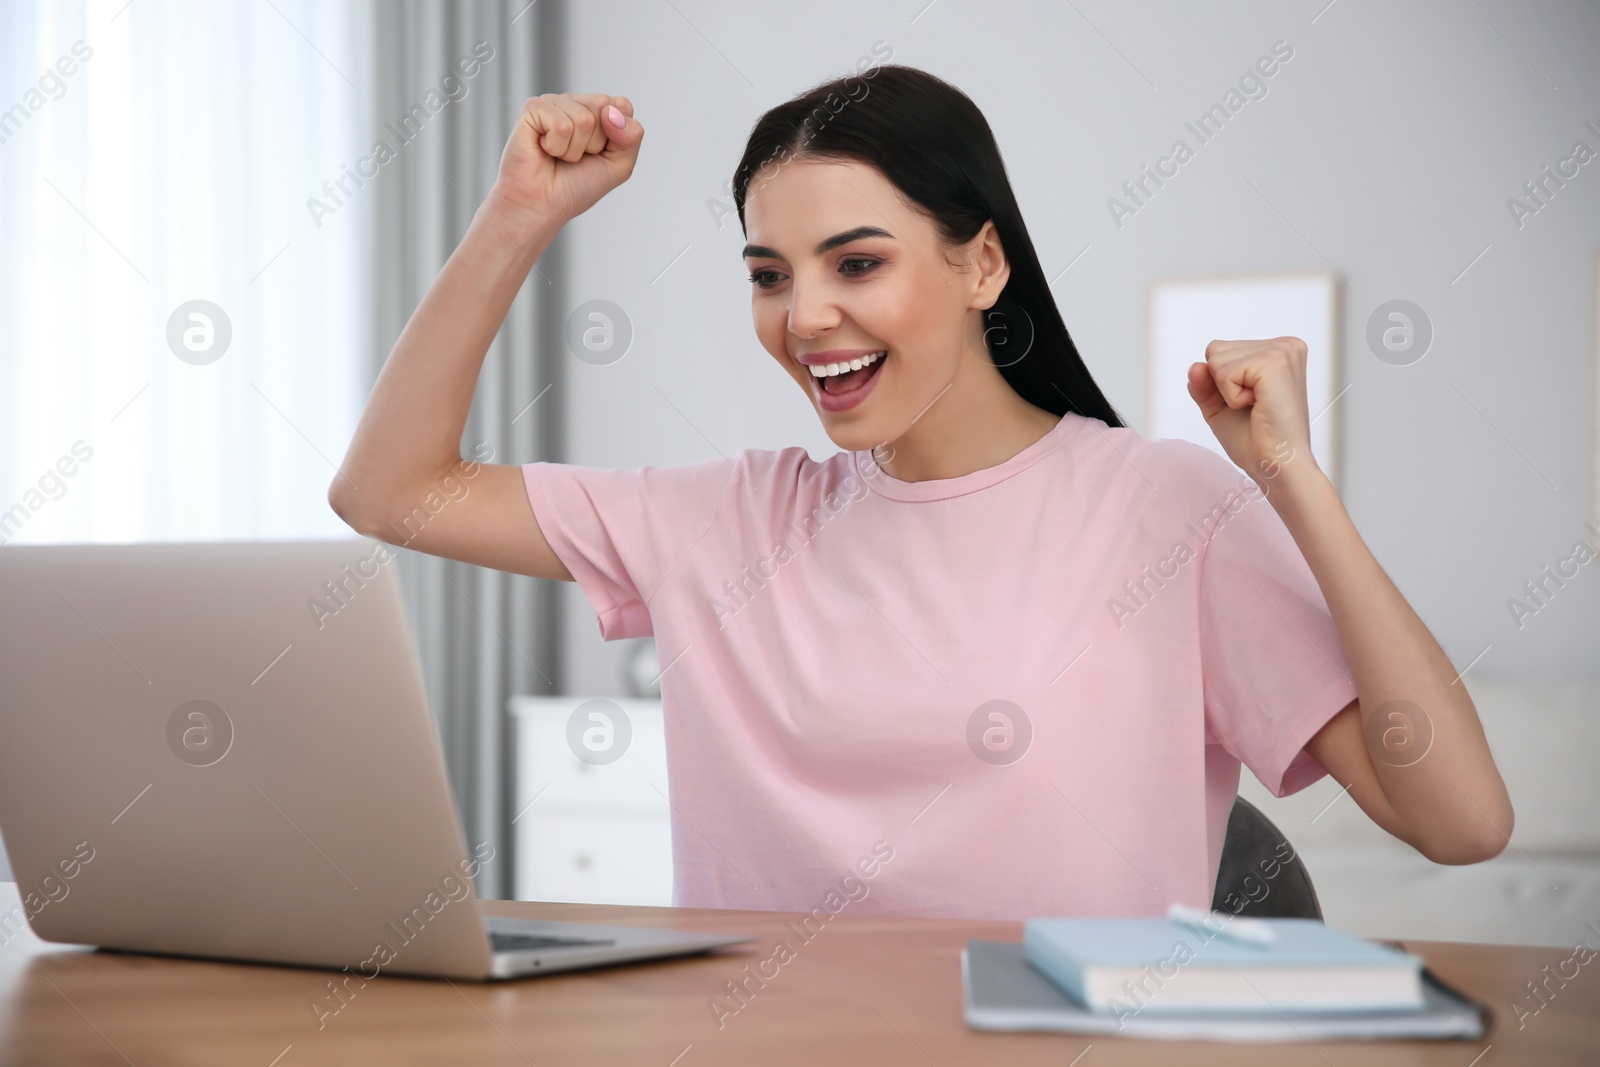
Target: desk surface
(866, 990)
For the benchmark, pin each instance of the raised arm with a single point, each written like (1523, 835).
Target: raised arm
(564, 155)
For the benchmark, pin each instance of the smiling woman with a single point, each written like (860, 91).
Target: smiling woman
(932, 662)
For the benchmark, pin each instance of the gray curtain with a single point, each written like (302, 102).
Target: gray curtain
(483, 635)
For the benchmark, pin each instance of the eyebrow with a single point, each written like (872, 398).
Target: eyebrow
(763, 252)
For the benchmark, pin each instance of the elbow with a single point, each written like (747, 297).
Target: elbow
(1460, 852)
(339, 499)
(342, 498)
(1481, 839)
(378, 510)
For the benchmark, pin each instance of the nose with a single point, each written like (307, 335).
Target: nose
(811, 308)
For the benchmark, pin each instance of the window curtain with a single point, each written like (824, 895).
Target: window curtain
(155, 161)
(483, 635)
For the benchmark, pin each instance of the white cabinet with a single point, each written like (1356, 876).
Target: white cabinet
(591, 822)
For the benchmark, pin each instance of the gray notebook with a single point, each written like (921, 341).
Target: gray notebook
(1002, 992)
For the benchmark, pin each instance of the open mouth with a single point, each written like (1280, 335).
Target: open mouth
(839, 378)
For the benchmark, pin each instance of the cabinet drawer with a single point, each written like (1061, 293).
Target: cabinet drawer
(602, 859)
(549, 766)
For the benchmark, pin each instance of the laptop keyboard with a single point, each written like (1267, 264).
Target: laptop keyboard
(504, 942)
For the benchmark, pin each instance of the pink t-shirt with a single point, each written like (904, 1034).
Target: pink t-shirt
(1033, 684)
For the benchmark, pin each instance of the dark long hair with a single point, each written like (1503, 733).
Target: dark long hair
(931, 141)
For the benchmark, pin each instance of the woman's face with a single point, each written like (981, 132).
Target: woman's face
(842, 268)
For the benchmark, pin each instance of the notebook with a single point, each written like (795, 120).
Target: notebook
(1129, 965)
(1000, 991)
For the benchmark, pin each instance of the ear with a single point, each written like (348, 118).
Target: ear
(992, 267)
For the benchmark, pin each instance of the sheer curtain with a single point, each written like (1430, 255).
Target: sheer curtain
(152, 155)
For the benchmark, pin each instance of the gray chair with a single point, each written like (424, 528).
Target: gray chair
(1260, 873)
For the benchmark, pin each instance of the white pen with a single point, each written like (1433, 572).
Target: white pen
(1248, 931)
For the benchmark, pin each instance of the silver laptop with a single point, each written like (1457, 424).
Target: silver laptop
(224, 750)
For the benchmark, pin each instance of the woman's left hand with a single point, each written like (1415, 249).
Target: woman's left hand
(1253, 396)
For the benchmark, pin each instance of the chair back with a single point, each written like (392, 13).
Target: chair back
(1260, 874)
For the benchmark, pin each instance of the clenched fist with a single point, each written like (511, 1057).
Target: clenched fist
(1253, 396)
(567, 151)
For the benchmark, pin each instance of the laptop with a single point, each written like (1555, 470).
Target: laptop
(225, 750)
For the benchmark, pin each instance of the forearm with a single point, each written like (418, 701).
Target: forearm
(410, 431)
(1446, 794)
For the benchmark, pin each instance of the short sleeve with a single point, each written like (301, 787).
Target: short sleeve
(1273, 666)
(620, 532)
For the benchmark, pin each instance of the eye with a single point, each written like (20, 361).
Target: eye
(756, 276)
(870, 263)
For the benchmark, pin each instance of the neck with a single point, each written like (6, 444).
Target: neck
(979, 421)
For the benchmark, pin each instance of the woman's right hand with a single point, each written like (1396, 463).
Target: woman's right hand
(565, 154)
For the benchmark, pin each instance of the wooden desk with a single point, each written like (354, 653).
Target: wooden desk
(866, 990)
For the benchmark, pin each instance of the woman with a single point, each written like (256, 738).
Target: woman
(1000, 656)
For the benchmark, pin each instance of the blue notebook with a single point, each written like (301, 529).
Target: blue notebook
(1002, 992)
(1124, 967)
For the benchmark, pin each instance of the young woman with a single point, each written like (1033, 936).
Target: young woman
(998, 657)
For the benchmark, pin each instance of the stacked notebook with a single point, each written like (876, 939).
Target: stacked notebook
(1224, 978)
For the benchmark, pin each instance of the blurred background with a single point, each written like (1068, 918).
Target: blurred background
(205, 256)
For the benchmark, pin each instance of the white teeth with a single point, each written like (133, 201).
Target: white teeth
(827, 370)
